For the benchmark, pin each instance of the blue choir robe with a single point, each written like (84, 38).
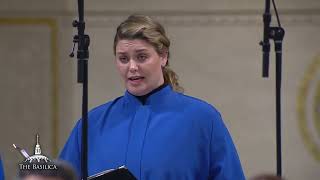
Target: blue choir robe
(1, 170)
(170, 137)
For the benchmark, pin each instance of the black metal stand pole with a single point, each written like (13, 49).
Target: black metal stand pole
(276, 34)
(83, 41)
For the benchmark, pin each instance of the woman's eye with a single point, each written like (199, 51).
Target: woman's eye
(123, 59)
(142, 57)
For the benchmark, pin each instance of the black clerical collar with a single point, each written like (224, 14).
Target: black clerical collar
(144, 98)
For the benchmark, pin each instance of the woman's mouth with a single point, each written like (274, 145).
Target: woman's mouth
(135, 80)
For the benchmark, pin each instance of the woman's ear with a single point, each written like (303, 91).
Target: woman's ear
(164, 58)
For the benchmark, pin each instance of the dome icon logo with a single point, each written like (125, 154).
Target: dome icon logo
(36, 161)
(37, 157)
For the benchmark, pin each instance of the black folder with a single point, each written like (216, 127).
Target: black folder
(122, 173)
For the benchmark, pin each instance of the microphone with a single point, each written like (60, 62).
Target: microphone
(265, 43)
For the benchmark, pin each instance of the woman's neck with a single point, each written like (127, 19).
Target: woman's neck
(144, 98)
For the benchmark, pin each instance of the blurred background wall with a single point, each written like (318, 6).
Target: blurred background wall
(214, 50)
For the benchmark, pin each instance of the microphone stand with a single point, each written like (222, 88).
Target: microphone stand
(83, 41)
(276, 34)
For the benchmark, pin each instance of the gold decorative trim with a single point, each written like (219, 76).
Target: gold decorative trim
(52, 24)
(205, 20)
(301, 107)
(193, 18)
(316, 109)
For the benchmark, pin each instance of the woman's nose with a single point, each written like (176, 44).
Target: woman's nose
(133, 66)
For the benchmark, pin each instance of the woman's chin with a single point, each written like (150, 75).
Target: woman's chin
(137, 90)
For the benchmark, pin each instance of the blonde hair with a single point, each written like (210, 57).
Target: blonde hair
(144, 28)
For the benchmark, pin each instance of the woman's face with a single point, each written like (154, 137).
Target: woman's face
(139, 65)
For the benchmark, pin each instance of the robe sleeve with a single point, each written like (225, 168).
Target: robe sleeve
(71, 153)
(224, 160)
(1, 171)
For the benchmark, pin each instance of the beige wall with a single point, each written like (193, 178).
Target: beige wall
(214, 50)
